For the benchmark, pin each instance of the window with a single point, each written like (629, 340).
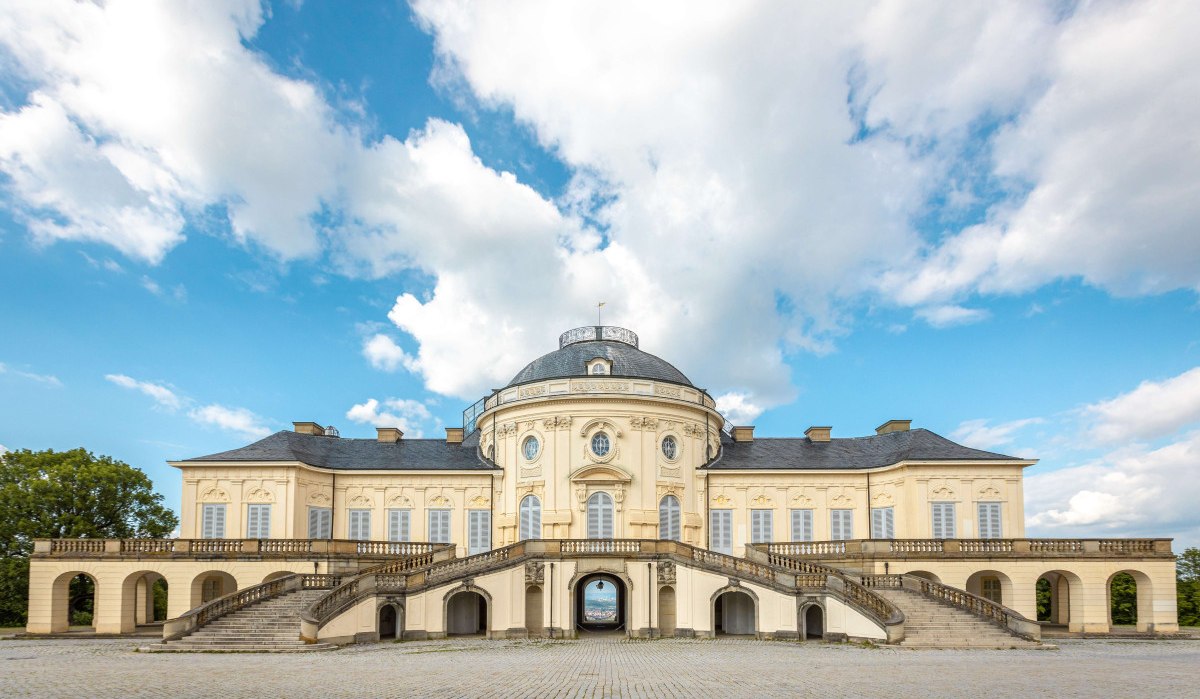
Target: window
(668, 518)
(479, 531)
(670, 448)
(883, 523)
(439, 526)
(943, 520)
(212, 524)
(530, 448)
(989, 520)
(802, 525)
(360, 525)
(531, 517)
(841, 524)
(399, 525)
(600, 444)
(320, 523)
(721, 530)
(991, 590)
(761, 528)
(599, 368)
(600, 516)
(258, 521)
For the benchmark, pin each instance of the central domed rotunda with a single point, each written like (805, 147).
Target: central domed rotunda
(596, 351)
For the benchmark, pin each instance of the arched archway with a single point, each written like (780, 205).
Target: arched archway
(73, 599)
(924, 574)
(390, 621)
(1059, 599)
(277, 575)
(533, 611)
(814, 622)
(210, 585)
(466, 613)
(1130, 597)
(600, 603)
(143, 599)
(735, 613)
(992, 585)
(666, 611)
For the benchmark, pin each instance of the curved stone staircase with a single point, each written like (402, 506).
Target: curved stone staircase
(270, 626)
(932, 624)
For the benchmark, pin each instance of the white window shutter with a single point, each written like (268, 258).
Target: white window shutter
(398, 523)
(889, 523)
(943, 520)
(841, 524)
(668, 518)
(478, 531)
(213, 522)
(802, 525)
(989, 520)
(721, 525)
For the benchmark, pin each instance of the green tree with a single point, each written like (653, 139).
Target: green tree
(67, 495)
(1187, 586)
(1123, 598)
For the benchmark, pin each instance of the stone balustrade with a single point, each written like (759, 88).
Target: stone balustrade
(227, 548)
(935, 549)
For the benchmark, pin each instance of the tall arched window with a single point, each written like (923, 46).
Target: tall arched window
(600, 516)
(531, 517)
(668, 518)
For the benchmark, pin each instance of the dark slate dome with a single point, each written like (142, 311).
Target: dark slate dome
(618, 345)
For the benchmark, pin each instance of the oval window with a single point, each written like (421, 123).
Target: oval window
(600, 444)
(530, 448)
(670, 448)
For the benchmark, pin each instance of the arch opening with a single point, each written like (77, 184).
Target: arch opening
(533, 611)
(466, 614)
(814, 622)
(925, 574)
(210, 585)
(389, 626)
(73, 602)
(277, 575)
(734, 614)
(1129, 600)
(143, 600)
(991, 585)
(600, 603)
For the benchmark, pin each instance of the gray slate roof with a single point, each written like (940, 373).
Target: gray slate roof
(360, 454)
(845, 454)
(627, 360)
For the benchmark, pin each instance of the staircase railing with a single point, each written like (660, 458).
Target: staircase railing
(227, 604)
(980, 607)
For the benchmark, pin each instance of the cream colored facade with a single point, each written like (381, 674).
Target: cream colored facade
(605, 439)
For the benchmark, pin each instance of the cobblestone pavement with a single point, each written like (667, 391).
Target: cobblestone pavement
(601, 668)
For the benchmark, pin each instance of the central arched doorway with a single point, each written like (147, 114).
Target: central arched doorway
(600, 603)
(466, 614)
(390, 626)
(733, 614)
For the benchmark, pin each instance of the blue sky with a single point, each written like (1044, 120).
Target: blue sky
(221, 217)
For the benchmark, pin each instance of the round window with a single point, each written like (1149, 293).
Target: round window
(670, 448)
(530, 448)
(600, 444)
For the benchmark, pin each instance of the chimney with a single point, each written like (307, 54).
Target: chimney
(818, 434)
(309, 428)
(454, 435)
(743, 434)
(893, 426)
(389, 435)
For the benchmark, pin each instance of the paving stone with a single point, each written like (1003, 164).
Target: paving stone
(600, 668)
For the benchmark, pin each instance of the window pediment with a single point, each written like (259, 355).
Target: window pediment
(601, 473)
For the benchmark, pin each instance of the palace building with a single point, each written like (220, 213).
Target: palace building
(601, 491)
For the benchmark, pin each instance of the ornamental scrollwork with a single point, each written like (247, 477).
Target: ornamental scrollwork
(666, 573)
(643, 423)
(667, 391)
(534, 573)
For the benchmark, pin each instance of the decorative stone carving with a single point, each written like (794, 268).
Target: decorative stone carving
(531, 472)
(214, 493)
(479, 501)
(643, 423)
(439, 501)
(669, 472)
(319, 499)
(943, 493)
(801, 501)
(666, 573)
(528, 425)
(734, 582)
(841, 501)
(399, 500)
(260, 494)
(560, 422)
(989, 493)
(666, 391)
(599, 387)
(721, 500)
(581, 497)
(883, 500)
(534, 573)
(508, 429)
(762, 501)
(361, 500)
(531, 391)
(693, 430)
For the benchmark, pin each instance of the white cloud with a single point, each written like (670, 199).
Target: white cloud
(738, 408)
(1153, 409)
(383, 353)
(408, 415)
(238, 420)
(980, 435)
(160, 393)
(947, 316)
(48, 379)
(1133, 491)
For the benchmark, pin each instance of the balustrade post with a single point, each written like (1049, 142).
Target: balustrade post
(1162, 546)
(1091, 546)
(1020, 545)
(112, 545)
(42, 546)
(952, 546)
(251, 546)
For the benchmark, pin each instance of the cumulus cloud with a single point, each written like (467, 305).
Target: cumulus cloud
(738, 408)
(162, 395)
(384, 354)
(1153, 409)
(1133, 491)
(237, 420)
(947, 316)
(981, 435)
(408, 415)
(47, 379)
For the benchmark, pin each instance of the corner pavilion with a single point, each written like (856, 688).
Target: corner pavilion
(600, 490)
